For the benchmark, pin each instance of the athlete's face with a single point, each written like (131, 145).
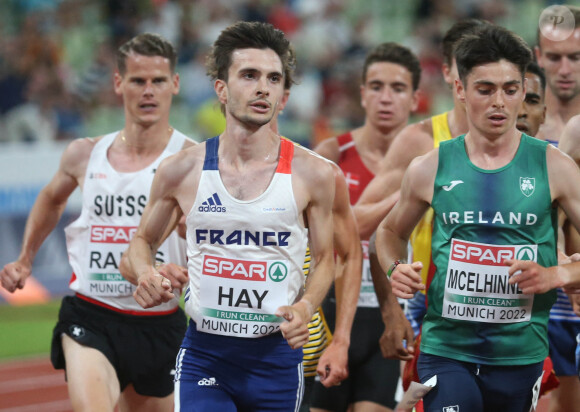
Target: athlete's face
(255, 87)
(532, 112)
(147, 88)
(561, 61)
(387, 95)
(493, 94)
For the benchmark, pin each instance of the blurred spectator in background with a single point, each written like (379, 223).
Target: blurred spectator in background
(74, 37)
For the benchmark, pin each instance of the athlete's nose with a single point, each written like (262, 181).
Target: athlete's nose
(387, 95)
(148, 91)
(263, 89)
(498, 100)
(523, 112)
(565, 66)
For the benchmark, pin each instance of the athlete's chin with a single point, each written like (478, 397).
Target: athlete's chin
(566, 94)
(255, 121)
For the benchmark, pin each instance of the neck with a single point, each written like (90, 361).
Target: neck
(492, 152)
(562, 109)
(371, 139)
(144, 139)
(240, 145)
(457, 120)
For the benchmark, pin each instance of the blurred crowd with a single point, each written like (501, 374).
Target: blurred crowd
(57, 57)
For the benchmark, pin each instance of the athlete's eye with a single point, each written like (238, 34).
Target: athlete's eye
(532, 100)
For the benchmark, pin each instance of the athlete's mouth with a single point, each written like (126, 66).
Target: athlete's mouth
(148, 105)
(260, 104)
(522, 127)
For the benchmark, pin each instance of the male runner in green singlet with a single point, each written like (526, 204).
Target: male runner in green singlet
(494, 193)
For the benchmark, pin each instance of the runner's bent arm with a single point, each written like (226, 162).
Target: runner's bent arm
(47, 210)
(315, 183)
(393, 233)
(348, 279)
(380, 195)
(138, 264)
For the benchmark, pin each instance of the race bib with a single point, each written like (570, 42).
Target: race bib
(239, 297)
(476, 283)
(106, 247)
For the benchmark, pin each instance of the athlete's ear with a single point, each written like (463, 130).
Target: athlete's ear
(117, 80)
(460, 90)
(283, 100)
(221, 91)
(415, 100)
(362, 96)
(175, 81)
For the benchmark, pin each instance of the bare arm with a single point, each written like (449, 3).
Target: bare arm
(333, 365)
(393, 233)
(380, 195)
(160, 217)
(47, 210)
(316, 185)
(570, 139)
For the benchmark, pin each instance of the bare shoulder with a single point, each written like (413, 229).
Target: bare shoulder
(329, 149)
(422, 170)
(563, 172)
(178, 167)
(75, 157)
(570, 138)
(414, 140)
(311, 165)
(559, 163)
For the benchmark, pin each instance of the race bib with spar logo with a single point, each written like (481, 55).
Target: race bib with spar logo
(476, 284)
(106, 247)
(239, 297)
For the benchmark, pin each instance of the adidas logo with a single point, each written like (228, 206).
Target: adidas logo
(207, 382)
(212, 204)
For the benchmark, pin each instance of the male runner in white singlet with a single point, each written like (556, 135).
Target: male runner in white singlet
(252, 200)
(115, 352)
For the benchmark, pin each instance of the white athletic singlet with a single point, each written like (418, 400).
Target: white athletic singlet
(245, 256)
(113, 203)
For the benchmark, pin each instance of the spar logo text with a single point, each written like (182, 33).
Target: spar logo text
(235, 268)
(112, 234)
(480, 254)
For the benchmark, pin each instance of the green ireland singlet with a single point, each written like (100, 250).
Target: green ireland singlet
(483, 217)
